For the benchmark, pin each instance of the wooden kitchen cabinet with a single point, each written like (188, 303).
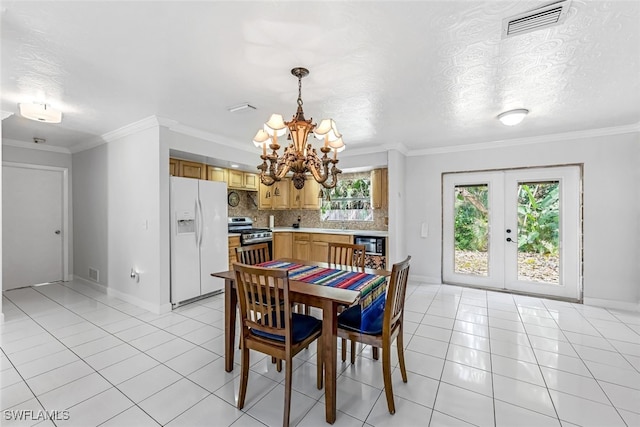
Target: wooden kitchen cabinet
(305, 198)
(173, 167)
(280, 194)
(240, 180)
(320, 244)
(234, 242)
(282, 245)
(235, 179)
(251, 181)
(189, 169)
(301, 246)
(266, 200)
(379, 189)
(216, 174)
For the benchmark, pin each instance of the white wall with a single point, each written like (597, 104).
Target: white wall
(611, 207)
(134, 220)
(90, 207)
(397, 205)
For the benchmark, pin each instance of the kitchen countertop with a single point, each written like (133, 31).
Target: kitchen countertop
(372, 233)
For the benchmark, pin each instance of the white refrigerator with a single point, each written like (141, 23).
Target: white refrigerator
(199, 242)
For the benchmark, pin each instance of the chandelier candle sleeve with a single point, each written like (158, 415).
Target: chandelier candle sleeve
(299, 157)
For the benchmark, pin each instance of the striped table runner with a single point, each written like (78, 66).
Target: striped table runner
(371, 286)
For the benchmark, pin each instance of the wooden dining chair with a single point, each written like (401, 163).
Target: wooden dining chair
(386, 329)
(275, 329)
(351, 255)
(253, 254)
(346, 254)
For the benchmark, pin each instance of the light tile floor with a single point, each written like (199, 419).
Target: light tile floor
(474, 358)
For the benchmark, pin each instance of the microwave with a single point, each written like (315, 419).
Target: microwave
(372, 245)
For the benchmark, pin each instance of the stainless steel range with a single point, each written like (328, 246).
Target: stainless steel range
(248, 234)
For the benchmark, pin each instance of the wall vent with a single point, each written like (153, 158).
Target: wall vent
(94, 274)
(536, 19)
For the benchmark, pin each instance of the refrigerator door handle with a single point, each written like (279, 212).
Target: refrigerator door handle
(197, 221)
(200, 220)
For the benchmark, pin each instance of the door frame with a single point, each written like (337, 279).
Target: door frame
(580, 228)
(65, 207)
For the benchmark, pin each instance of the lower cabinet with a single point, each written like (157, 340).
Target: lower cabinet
(234, 242)
(306, 246)
(282, 245)
(320, 244)
(301, 246)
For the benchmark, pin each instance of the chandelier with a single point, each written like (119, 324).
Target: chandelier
(299, 157)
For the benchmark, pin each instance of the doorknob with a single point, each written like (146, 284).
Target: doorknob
(57, 231)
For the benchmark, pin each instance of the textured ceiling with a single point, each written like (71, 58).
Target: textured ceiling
(416, 75)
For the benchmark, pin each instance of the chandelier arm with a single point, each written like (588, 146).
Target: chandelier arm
(334, 177)
(319, 176)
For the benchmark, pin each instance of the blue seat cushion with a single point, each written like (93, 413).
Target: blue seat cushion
(302, 327)
(351, 319)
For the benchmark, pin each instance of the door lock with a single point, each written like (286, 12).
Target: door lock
(57, 231)
(509, 239)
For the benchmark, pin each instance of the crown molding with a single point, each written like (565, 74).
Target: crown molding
(566, 136)
(178, 127)
(130, 129)
(33, 146)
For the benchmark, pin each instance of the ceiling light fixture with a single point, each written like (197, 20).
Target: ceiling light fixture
(40, 113)
(299, 157)
(513, 117)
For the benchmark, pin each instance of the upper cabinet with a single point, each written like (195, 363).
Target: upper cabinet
(189, 169)
(217, 174)
(379, 189)
(283, 195)
(306, 197)
(274, 196)
(242, 180)
(235, 179)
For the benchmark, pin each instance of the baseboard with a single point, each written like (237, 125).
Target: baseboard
(154, 308)
(607, 303)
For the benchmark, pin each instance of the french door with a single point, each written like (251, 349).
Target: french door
(517, 229)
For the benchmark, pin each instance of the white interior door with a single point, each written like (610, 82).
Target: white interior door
(32, 225)
(517, 230)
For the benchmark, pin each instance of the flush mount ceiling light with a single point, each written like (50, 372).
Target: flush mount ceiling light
(299, 157)
(513, 117)
(40, 113)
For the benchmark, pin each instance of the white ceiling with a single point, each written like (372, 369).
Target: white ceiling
(416, 75)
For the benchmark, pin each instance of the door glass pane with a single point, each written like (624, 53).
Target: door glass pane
(538, 231)
(471, 229)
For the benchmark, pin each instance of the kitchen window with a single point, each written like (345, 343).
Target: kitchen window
(349, 200)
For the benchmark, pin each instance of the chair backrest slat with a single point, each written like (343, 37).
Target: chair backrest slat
(263, 295)
(253, 254)
(346, 254)
(396, 293)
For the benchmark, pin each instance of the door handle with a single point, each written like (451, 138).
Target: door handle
(509, 239)
(57, 231)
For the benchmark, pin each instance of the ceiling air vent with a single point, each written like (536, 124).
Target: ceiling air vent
(536, 19)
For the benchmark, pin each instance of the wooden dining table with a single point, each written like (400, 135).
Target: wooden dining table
(327, 298)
